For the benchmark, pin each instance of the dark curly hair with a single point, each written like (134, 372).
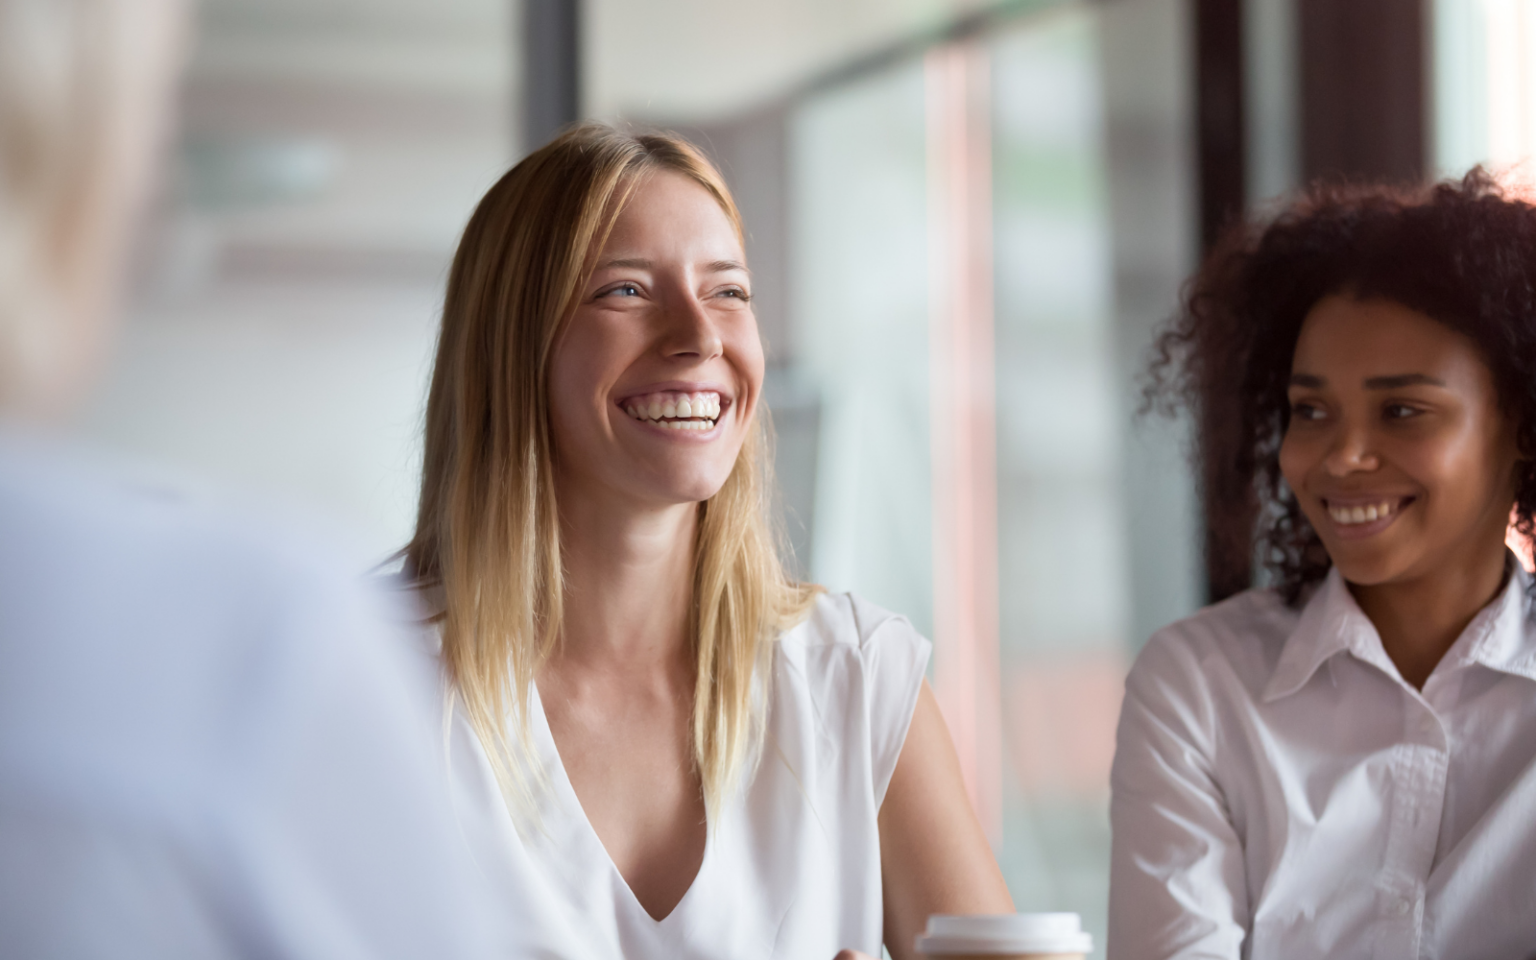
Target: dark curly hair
(1462, 252)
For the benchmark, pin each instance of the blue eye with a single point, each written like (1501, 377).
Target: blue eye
(622, 290)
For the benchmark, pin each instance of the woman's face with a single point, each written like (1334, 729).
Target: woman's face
(1397, 450)
(654, 382)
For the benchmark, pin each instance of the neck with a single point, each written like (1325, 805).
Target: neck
(628, 581)
(1420, 618)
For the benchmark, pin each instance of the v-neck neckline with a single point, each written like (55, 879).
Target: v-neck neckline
(566, 792)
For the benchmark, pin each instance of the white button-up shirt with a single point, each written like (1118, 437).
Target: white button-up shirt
(1280, 791)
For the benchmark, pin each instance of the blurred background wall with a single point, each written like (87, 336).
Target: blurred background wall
(966, 220)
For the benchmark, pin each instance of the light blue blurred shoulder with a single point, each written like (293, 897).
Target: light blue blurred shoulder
(145, 526)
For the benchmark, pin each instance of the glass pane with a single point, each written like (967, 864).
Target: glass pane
(859, 242)
(966, 206)
(1063, 597)
(1485, 86)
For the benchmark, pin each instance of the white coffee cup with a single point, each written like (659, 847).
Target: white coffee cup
(1020, 936)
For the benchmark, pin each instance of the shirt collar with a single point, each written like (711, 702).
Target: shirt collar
(1330, 623)
(1500, 637)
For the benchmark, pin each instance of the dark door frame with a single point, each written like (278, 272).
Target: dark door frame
(1363, 98)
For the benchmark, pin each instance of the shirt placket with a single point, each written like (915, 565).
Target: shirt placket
(1419, 769)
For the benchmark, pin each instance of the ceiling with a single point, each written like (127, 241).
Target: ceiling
(457, 46)
(696, 61)
(355, 136)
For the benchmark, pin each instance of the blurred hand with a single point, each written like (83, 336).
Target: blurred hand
(852, 955)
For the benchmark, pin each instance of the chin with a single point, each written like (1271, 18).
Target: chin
(1370, 568)
(700, 493)
(688, 489)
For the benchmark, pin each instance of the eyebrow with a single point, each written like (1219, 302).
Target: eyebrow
(1403, 380)
(1373, 383)
(640, 263)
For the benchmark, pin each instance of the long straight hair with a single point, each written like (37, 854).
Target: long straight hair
(488, 533)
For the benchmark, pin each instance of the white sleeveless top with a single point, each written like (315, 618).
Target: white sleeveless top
(792, 865)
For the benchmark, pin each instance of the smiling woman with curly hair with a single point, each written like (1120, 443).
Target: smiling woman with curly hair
(1343, 764)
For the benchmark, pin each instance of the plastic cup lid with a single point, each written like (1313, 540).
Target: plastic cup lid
(1005, 933)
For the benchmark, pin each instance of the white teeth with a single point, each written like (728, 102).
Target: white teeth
(699, 411)
(1365, 514)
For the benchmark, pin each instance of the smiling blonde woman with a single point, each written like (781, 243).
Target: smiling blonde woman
(687, 753)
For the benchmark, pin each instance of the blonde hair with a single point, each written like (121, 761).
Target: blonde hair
(83, 85)
(488, 533)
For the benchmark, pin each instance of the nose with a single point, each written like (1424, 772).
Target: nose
(691, 333)
(1351, 452)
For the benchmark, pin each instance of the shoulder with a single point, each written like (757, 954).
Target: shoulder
(208, 699)
(68, 509)
(155, 612)
(852, 651)
(844, 621)
(1227, 649)
(852, 671)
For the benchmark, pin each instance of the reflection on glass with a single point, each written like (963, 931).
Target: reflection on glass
(1064, 589)
(861, 330)
(876, 313)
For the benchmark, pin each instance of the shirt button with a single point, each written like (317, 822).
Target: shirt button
(1400, 907)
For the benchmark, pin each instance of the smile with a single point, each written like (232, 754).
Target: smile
(1347, 516)
(676, 411)
(1361, 517)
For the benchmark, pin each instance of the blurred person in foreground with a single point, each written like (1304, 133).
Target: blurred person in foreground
(210, 744)
(691, 754)
(1344, 764)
